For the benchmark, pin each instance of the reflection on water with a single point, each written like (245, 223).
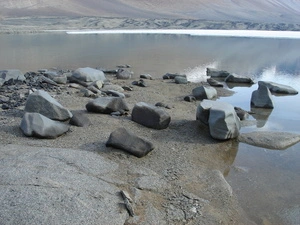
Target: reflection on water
(266, 182)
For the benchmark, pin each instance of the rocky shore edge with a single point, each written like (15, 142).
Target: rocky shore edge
(83, 174)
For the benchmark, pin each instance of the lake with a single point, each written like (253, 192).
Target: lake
(266, 181)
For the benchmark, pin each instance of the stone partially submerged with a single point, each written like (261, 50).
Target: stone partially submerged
(279, 88)
(270, 140)
(41, 102)
(221, 118)
(262, 98)
(129, 142)
(37, 125)
(233, 78)
(211, 72)
(150, 116)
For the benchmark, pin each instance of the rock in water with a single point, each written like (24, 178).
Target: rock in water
(278, 88)
(239, 79)
(88, 74)
(37, 125)
(127, 141)
(216, 73)
(270, 140)
(107, 105)
(221, 118)
(41, 102)
(262, 98)
(150, 116)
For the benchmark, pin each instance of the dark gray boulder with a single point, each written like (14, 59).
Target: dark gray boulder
(37, 125)
(202, 92)
(129, 142)
(239, 79)
(13, 74)
(279, 88)
(173, 75)
(180, 80)
(216, 73)
(79, 119)
(262, 98)
(146, 76)
(88, 74)
(107, 105)
(150, 116)
(41, 102)
(221, 118)
(124, 74)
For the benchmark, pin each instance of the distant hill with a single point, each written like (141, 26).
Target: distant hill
(272, 11)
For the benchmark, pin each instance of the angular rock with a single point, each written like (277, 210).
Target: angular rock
(60, 79)
(107, 105)
(189, 98)
(216, 73)
(37, 125)
(13, 74)
(129, 142)
(114, 87)
(88, 74)
(146, 76)
(124, 74)
(239, 79)
(58, 186)
(262, 98)
(173, 75)
(150, 116)
(79, 119)
(41, 102)
(242, 114)
(202, 92)
(215, 83)
(115, 93)
(270, 140)
(278, 88)
(140, 83)
(221, 118)
(180, 80)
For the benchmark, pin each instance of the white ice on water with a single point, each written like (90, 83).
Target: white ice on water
(220, 33)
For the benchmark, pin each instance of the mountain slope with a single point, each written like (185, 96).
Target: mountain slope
(234, 10)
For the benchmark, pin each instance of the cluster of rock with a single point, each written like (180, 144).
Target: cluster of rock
(46, 118)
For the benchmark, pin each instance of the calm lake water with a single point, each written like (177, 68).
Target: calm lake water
(266, 181)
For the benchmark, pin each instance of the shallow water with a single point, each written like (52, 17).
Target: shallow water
(266, 181)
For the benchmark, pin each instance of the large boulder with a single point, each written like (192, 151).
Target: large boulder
(107, 105)
(262, 98)
(221, 118)
(233, 78)
(202, 92)
(150, 116)
(37, 125)
(278, 88)
(129, 142)
(13, 74)
(88, 74)
(211, 72)
(41, 102)
(58, 186)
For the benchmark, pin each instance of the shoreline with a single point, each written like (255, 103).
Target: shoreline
(42, 24)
